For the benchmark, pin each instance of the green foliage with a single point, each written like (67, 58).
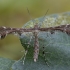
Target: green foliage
(56, 46)
(5, 64)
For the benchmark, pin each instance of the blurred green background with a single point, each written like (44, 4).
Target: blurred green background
(13, 13)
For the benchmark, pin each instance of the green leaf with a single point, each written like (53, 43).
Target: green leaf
(56, 46)
(5, 64)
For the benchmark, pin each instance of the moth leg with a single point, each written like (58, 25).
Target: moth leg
(44, 54)
(28, 44)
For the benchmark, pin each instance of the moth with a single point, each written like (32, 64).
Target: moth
(4, 31)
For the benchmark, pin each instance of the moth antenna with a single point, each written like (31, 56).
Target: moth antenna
(30, 15)
(44, 17)
(46, 13)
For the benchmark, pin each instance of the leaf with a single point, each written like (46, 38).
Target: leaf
(5, 64)
(56, 46)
